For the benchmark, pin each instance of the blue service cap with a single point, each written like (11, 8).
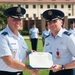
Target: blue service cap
(15, 12)
(53, 14)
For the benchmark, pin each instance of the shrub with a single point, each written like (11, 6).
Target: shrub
(23, 32)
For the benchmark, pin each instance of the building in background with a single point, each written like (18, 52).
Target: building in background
(35, 8)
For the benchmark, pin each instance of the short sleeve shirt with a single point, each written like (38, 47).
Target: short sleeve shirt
(11, 45)
(64, 43)
(45, 33)
(34, 32)
(72, 31)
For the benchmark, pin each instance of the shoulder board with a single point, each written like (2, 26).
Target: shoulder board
(4, 33)
(67, 33)
(47, 36)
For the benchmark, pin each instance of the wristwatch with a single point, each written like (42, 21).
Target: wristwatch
(63, 67)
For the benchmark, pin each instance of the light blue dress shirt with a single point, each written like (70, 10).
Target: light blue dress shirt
(64, 43)
(72, 31)
(45, 33)
(11, 45)
(34, 32)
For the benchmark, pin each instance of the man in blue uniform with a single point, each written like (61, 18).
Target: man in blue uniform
(72, 28)
(45, 33)
(12, 45)
(60, 43)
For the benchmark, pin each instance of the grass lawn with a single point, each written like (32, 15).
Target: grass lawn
(39, 48)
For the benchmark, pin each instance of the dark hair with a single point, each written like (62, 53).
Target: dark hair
(33, 24)
(46, 24)
(72, 22)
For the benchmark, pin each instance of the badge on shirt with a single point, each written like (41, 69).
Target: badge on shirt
(62, 42)
(14, 52)
(57, 54)
(13, 43)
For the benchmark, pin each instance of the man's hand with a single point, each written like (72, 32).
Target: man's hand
(34, 71)
(30, 51)
(56, 68)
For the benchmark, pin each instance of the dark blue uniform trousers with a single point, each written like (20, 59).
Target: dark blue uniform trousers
(10, 73)
(34, 43)
(62, 72)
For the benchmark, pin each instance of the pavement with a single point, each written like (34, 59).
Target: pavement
(27, 37)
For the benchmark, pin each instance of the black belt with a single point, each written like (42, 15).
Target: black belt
(62, 72)
(10, 73)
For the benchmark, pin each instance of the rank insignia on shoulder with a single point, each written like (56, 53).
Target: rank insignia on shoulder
(47, 36)
(4, 33)
(67, 33)
(47, 44)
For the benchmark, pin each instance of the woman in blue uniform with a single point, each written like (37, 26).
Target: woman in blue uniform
(60, 43)
(34, 34)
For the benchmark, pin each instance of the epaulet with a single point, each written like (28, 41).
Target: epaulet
(47, 36)
(67, 33)
(4, 33)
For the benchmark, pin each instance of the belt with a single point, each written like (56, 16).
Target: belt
(62, 72)
(10, 73)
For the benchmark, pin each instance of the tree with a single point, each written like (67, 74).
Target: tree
(3, 21)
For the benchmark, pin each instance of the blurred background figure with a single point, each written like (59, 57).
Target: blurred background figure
(72, 28)
(45, 33)
(33, 34)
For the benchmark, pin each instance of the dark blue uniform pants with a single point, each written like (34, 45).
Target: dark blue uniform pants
(10, 73)
(34, 43)
(62, 72)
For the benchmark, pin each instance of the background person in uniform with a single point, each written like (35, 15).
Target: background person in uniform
(12, 45)
(34, 34)
(63, 26)
(45, 33)
(72, 28)
(60, 43)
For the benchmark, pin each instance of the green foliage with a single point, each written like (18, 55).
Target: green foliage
(23, 32)
(3, 21)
